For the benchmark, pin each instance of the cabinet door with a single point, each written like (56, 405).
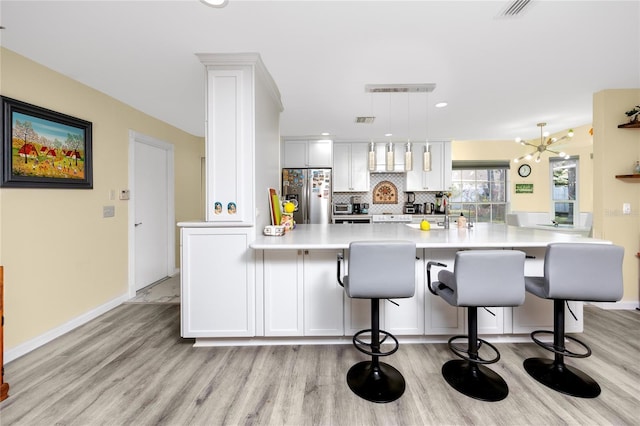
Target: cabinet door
(342, 167)
(319, 153)
(440, 317)
(295, 154)
(217, 282)
(359, 165)
(350, 167)
(283, 293)
(322, 294)
(408, 317)
(490, 320)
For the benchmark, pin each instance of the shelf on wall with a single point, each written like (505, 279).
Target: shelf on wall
(634, 125)
(633, 176)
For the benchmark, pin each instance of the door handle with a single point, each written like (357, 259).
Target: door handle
(137, 224)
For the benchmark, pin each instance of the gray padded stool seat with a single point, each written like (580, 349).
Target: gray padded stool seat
(480, 278)
(378, 270)
(573, 271)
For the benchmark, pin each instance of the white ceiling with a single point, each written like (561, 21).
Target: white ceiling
(499, 75)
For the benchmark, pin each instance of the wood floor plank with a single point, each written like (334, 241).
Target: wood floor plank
(130, 367)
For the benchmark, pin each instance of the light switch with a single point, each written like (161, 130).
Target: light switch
(124, 194)
(626, 208)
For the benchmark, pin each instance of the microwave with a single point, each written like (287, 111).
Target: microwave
(342, 208)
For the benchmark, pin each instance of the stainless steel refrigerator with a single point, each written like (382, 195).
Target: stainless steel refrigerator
(311, 189)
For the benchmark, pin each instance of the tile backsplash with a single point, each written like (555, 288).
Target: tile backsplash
(398, 179)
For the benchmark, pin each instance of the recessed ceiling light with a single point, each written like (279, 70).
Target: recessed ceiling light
(388, 134)
(441, 104)
(325, 134)
(215, 3)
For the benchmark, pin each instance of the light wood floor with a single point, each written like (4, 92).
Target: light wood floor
(131, 367)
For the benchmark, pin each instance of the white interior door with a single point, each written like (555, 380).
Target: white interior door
(152, 211)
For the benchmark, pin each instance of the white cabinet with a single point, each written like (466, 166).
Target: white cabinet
(439, 178)
(307, 153)
(323, 295)
(441, 318)
(408, 317)
(301, 293)
(217, 282)
(350, 167)
(283, 293)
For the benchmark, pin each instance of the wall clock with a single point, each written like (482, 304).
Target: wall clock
(524, 170)
(385, 193)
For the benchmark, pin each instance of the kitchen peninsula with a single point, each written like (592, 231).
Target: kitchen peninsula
(294, 298)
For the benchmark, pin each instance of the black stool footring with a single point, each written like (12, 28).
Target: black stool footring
(475, 380)
(381, 384)
(562, 378)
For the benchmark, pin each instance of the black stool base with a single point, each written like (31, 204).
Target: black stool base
(381, 384)
(475, 380)
(562, 378)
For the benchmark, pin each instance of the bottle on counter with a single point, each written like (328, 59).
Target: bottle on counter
(462, 221)
(636, 168)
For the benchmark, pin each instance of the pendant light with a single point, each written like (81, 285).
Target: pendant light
(408, 155)
(389, 158)
(372, 156)
(372, 146)
(426, 155)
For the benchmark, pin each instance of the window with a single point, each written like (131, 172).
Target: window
(479, 190)
(564, 190)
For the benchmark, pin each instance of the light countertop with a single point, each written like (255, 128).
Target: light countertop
(483, 235)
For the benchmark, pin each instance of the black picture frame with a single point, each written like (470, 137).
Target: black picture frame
(42, 148)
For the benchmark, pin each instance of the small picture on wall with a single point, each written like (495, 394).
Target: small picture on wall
(43, 148)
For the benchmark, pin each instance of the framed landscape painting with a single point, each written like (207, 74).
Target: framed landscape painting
(43, 148)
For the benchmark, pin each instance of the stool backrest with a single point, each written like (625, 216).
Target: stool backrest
(489, 277)
(381, 269)
(584, 271)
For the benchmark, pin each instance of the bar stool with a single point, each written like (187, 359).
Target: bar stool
(480, 278)
(378, 270)
(572, 271)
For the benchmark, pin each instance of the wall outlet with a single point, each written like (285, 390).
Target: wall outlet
(626, 208)
(108, 211)
(125, 194)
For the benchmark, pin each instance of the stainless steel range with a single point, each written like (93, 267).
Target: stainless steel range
(391, 218)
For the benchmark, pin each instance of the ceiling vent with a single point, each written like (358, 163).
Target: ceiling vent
(399, 88)
(515, 8)
(365, 120)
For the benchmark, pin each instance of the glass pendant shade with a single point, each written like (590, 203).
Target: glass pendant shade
(408, 158)
(426, 159)
(372, 157)
(389, 159)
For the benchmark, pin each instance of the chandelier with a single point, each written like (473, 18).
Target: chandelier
(544, 145)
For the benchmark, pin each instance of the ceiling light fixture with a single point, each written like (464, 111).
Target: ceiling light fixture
(543, 146)
(441, 104)
(215, 3)
(408, 155)
(390, 157)
(426, 155)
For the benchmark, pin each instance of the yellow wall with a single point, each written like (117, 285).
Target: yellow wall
(61, 258)
(581, 145)
(615, 152)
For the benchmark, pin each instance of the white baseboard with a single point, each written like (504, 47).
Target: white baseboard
(28, 346)
(622, 305)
